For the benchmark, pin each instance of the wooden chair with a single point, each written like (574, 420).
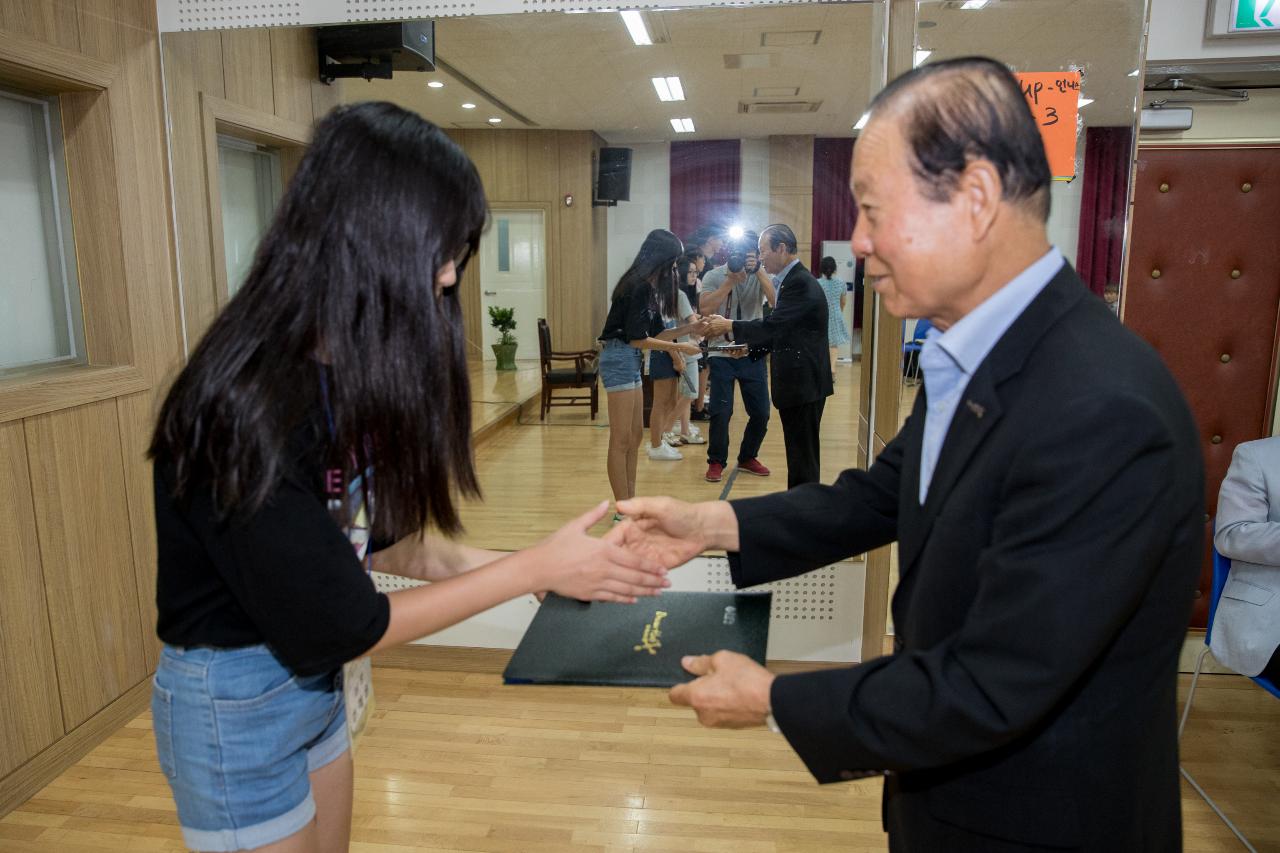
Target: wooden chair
(580, 377)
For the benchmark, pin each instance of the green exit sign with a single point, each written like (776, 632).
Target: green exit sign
(1255, 16)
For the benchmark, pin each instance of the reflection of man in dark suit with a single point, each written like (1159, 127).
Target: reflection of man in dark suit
(1046, 495)
(795, 335)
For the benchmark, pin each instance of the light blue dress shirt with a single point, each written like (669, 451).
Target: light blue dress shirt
(948, 359)
(781, 276)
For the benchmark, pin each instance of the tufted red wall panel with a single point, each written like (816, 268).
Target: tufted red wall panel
(1204, 287)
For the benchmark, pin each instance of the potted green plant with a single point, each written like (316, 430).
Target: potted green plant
(504, 320)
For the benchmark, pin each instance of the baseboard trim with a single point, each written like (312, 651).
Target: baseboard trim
(27, 780)
(469, 659)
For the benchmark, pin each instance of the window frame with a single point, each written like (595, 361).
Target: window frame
(84, 87)
(220, 117)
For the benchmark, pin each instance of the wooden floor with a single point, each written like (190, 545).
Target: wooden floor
(536, 477)
(455, 761)
(458, 762)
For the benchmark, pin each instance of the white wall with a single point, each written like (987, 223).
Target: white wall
(1177, 33)
(649, 208)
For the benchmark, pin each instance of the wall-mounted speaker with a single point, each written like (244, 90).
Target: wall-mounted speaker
(613, 181)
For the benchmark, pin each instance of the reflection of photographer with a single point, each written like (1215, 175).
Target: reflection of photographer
(737, 290)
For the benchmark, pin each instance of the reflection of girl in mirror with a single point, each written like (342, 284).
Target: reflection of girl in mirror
(835, 290)
(646, 292)
(336, 373)
(683, 430)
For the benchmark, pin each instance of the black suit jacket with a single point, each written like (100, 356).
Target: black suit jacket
(795, 333)
(1044, 592)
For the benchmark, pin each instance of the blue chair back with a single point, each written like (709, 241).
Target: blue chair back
(1221, 569)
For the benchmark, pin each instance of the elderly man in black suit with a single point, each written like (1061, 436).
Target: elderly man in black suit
(1047, 497)
(794, 335)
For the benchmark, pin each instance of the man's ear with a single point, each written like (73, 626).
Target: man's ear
(981, 192)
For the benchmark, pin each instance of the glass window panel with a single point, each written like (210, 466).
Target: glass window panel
(41, 322)
(249, 178)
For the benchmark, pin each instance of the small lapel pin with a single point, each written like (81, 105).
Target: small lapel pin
(977, 409)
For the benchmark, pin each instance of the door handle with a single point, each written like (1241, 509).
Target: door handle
(491, 293)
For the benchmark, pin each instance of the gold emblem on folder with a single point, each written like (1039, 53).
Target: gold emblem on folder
(651, 640)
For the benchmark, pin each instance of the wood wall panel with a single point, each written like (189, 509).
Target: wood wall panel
(73, 480)
(271, 72)
(32, 717)
(571, 296)
(791, 162)
(540, 167)
(293, 67)
(200, 55)
(542, 162)
(91, 175)
(137, 414)
(510, 166)
(247, 68)
(53, 21)
(82, 519)
(182, 52)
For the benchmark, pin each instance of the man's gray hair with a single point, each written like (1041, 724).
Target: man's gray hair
(960, 110)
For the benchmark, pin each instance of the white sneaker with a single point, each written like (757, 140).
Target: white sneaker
(673, 439)
(664, 453)
(693, 432)
(693, 437)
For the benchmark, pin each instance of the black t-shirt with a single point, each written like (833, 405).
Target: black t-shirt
(634, 317)
(286, 576)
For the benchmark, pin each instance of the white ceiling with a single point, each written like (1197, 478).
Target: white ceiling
(582, 71)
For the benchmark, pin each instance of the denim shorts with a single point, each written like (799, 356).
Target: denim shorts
(237, 734)
(661, 366)
(619, 365)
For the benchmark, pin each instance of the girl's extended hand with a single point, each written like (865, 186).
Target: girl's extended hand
(575, 564)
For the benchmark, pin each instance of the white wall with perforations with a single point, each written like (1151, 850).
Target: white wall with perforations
(816, 617)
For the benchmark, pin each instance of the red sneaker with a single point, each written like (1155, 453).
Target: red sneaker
(753, 466)
(714, 472)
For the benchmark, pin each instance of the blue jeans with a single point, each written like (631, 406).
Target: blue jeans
(752, 378)
(237, 735)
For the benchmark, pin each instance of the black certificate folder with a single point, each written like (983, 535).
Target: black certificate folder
(637, 645)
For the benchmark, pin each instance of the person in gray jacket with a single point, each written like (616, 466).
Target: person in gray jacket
(1246, 628)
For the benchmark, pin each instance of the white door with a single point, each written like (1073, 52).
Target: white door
(843, 254)
(513, 274)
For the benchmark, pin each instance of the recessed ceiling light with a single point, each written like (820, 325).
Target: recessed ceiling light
(495, 120)
(635, 26)
(862, 122)
(973, 4)
(468, 106)
(435, 84)
(682, 125)
(1084, 102)
(921, 56)
(668, 88)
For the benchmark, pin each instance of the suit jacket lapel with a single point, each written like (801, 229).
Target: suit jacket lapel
(977, 413)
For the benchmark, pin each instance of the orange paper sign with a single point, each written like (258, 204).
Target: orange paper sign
(1054, 98)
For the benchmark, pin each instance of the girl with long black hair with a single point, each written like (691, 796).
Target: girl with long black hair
(644, 295)
(326, 409)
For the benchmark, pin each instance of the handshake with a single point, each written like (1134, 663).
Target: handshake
(710, 326)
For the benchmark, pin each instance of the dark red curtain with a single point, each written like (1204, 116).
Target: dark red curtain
(1102, 205)
(705, 181)
(834, 210)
